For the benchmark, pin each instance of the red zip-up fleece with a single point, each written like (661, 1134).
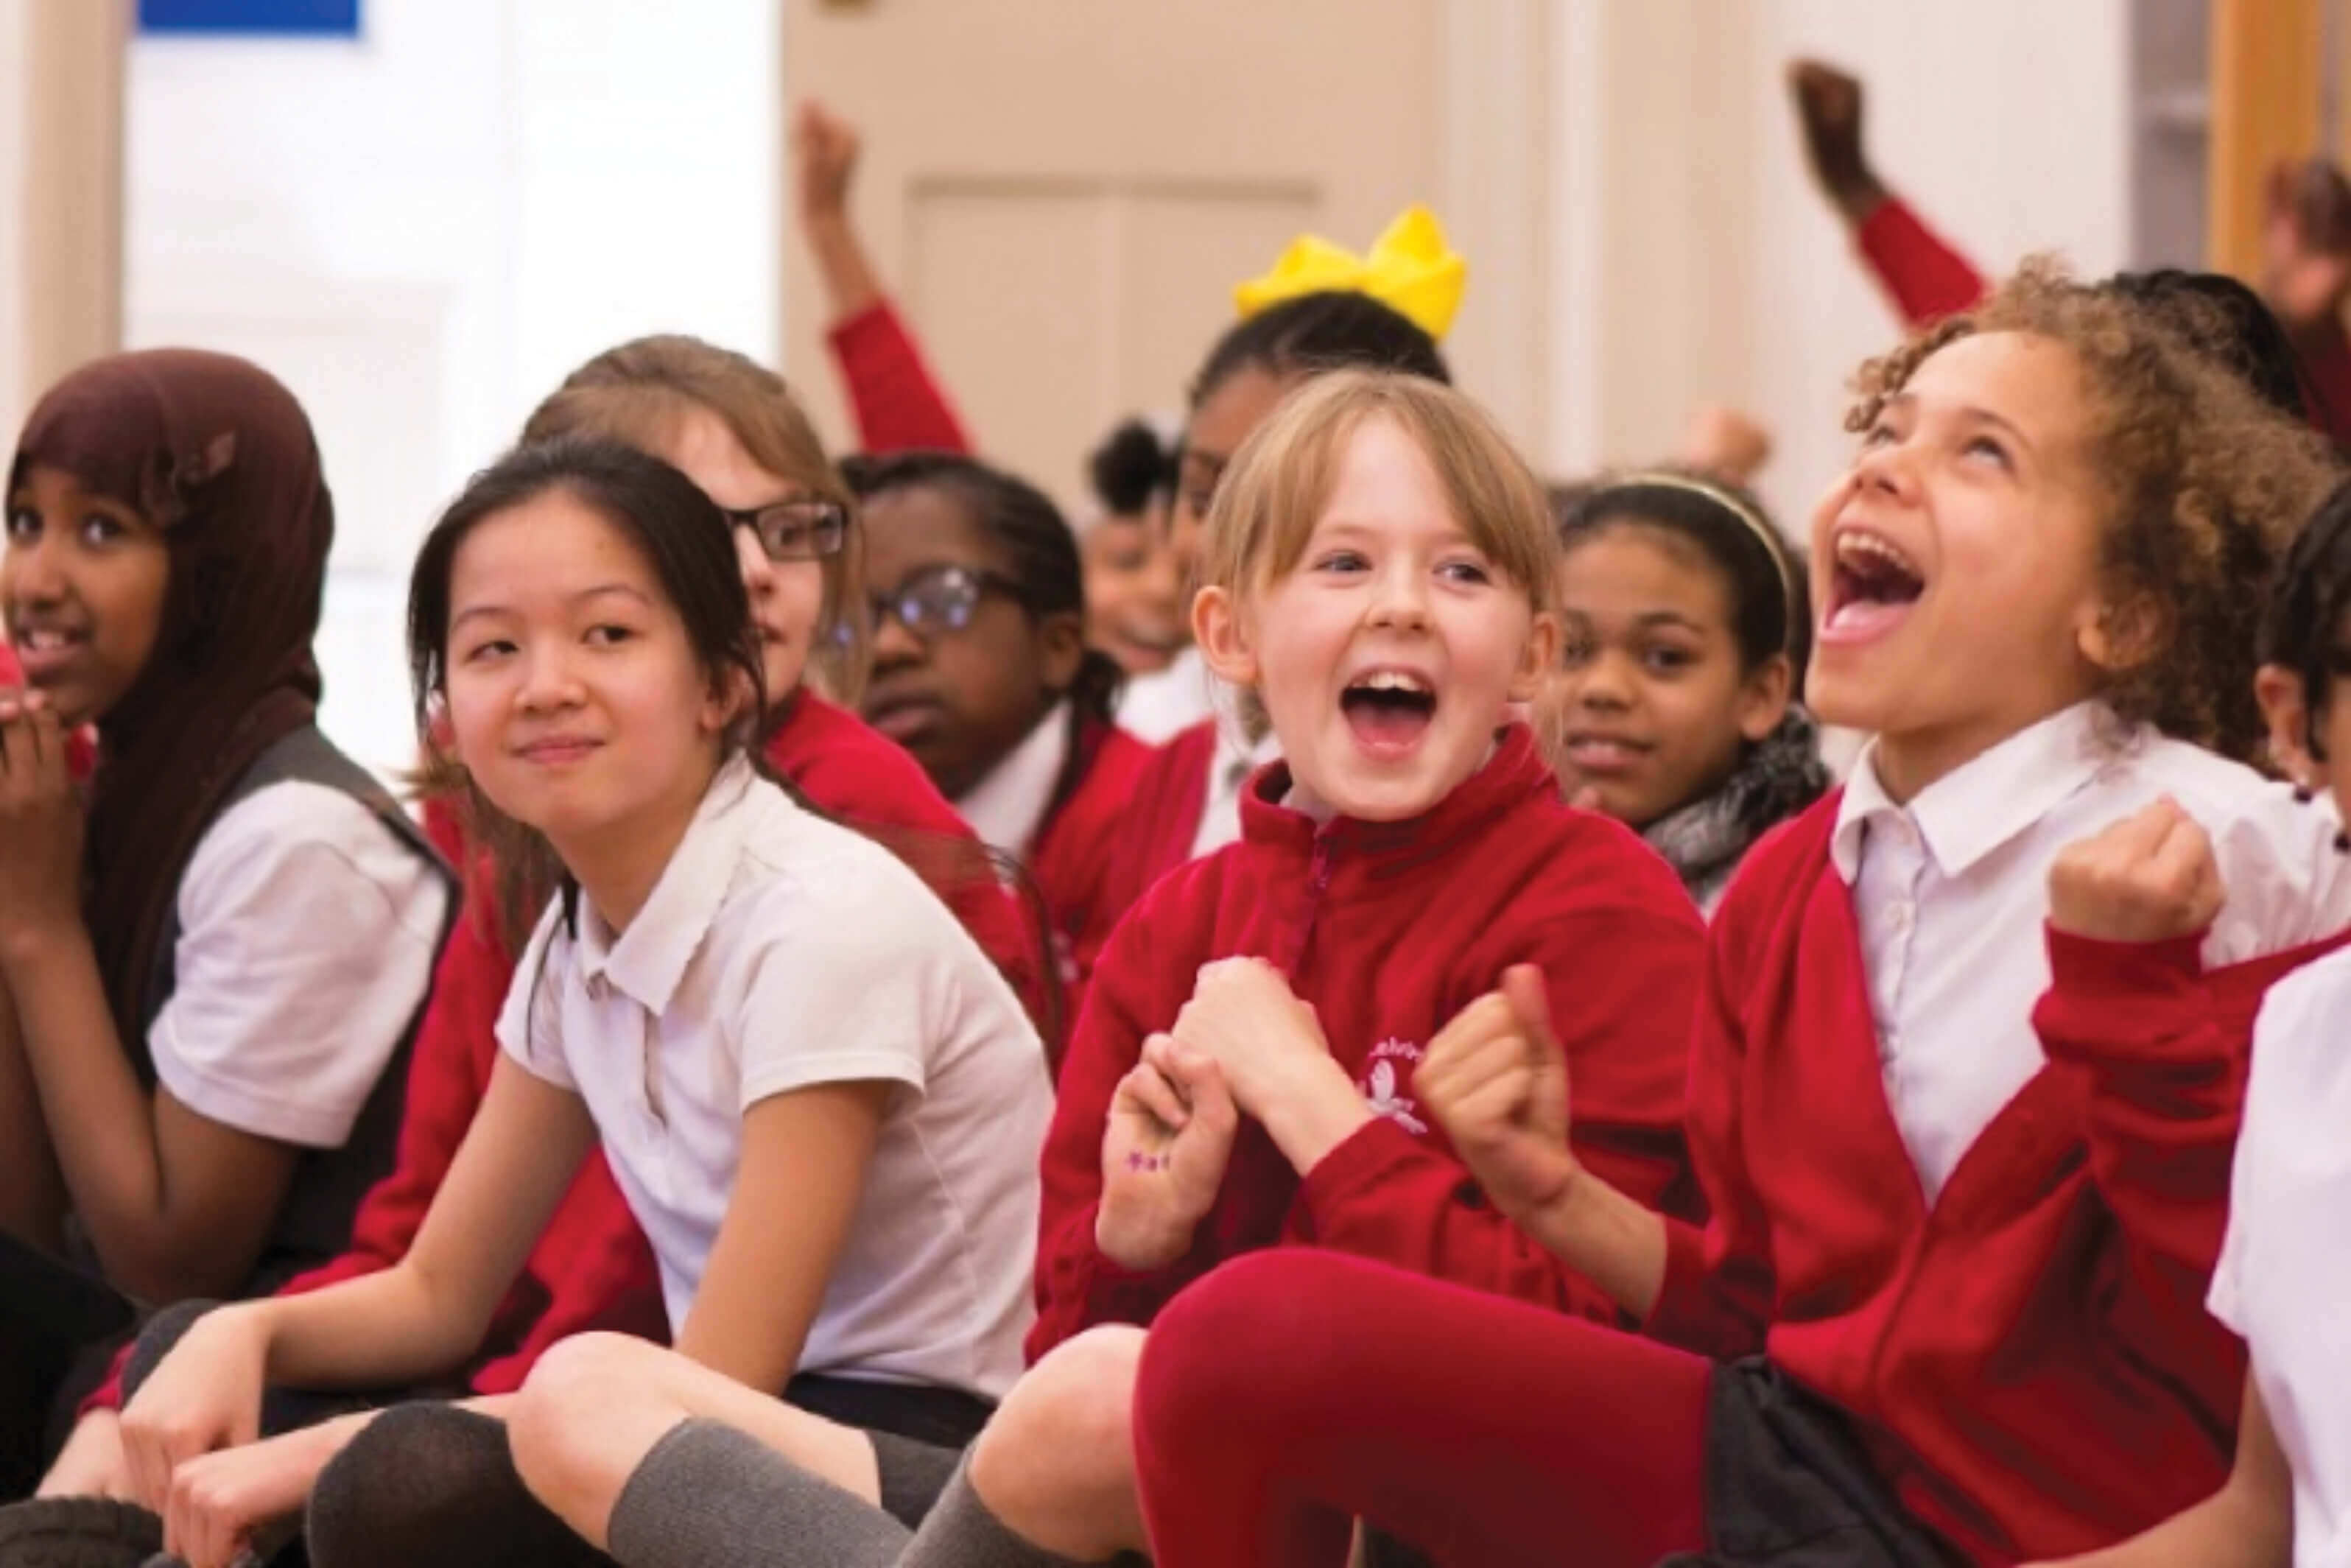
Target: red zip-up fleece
(591, 1268)
(2029, 1362)
(1162, 818)
(1389, 930)
(1072, 857)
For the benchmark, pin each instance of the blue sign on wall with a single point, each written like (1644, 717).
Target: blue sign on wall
(308, 18)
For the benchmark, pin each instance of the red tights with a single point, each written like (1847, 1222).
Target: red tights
(1293, 1390)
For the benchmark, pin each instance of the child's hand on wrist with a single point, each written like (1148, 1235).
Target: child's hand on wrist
(1169, 1136)
(1244, 1017)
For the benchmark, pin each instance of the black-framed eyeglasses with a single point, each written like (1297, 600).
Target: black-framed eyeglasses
(795, 530)
(935, 599)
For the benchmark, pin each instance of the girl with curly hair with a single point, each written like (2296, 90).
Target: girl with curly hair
(1967, 1181)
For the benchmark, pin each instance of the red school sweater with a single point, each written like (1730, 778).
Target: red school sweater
(1072, 859)
(1389, 930)
(2029, 1363)
(898, 402)
(591, 1268)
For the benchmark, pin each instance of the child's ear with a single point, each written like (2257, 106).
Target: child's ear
(729, 695)
(1223, 640)
(2286, 710)
(1764, 696)
(1061, 647)
(1537, 655)
(2116, 637)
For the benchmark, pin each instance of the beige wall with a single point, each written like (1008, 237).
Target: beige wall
(1691, 258)
(60, 191)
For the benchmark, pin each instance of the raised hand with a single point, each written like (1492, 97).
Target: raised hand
(40, 821)
(2307, 243)
(1496, 1080)
(1170, 1133)
(2147, 878)
(1829, 107)
(824, 161)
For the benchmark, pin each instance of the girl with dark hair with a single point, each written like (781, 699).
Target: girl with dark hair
(1135, 602)
(733, 427)
(1685, 629)
(214, 964)
(2282, 1277)
(731, 993)
(982, 670)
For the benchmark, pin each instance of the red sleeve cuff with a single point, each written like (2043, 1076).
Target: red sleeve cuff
(1373, 1149)
(1681, 1314)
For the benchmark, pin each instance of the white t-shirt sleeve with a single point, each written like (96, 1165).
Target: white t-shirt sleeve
(834, 994)
(525, 1032)
(307, 935)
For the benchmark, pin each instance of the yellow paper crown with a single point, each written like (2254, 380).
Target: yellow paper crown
(1410, 270)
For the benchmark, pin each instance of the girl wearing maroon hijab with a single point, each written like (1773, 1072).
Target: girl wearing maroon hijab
(211, 956)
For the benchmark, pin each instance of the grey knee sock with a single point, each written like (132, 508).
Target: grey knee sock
(961, 1532)
(707, 1496)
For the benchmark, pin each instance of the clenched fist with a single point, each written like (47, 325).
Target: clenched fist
(1496, 1080)
(2148, 878)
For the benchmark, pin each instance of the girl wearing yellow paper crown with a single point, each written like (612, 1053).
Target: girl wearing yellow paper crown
(1320, 308)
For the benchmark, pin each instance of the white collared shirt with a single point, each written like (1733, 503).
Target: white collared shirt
(307, 935)
(2284, 1274)
(778, 951)
(1950, 893)
(1234, 758)
(1007, 808)
(1159, 706)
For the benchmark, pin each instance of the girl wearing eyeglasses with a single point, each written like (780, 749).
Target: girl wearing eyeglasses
(733, 427)
(982, 670)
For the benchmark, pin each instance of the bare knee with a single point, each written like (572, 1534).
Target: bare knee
(571, 1426)
(1057, 1462)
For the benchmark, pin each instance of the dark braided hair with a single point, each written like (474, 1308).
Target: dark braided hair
(1335, 329)
(1040, 553)
(2308, 601)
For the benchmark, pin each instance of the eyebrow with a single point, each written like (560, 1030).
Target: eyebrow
(1645, 620)
(1972, 412)
(601, 589)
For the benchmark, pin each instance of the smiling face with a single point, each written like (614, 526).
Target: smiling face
(83, 585)
(1134, 603)
(1388, 655)
(1649, 708)
(1957, 565)
(787, 596)
(574, 697)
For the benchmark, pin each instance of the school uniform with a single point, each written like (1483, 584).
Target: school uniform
(777, 952)
(2283, 1278)
(897, 401)
(1159, 706)
(1059, 803)
(1975, 1229)
(1186, 801)
(1389, 930)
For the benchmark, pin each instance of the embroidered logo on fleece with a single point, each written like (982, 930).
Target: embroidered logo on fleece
(1379, 1086)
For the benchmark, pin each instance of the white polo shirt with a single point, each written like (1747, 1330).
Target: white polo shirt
(2284, 1276)
(1950, 893)
(778, 951)
(307, 935)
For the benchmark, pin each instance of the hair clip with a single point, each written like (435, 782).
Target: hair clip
(2304, 794)
(1411, 268)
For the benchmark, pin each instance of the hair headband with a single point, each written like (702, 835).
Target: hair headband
(1754, 521)
(1410, 268)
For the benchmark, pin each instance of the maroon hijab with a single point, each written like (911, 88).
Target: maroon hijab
(219, 456)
